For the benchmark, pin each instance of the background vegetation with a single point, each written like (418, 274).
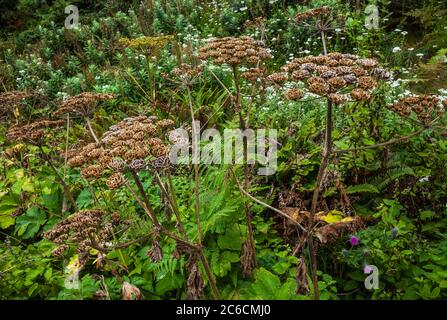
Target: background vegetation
(399, 190)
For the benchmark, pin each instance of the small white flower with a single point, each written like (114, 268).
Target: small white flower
(404, 33)
(410, 49)
(396, 49)
(419, 54)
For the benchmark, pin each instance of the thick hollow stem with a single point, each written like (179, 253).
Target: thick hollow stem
(323, 40)
(196, 168)
(243, 125)
(145, 204)
(209, 274)
(172, 203)
(89, 125)
(327, 150)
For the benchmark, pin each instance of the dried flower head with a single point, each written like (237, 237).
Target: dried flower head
(317, 12)
(254, 74)
(234, 51)
(128, 145)
(294, 94)
(35, 132)
(335, 75)
(360, 95)
(427, 108)
(86, 229)
(10, 99)
(83, 104)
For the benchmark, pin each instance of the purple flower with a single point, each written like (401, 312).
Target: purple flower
(354, 241)
(367, 270)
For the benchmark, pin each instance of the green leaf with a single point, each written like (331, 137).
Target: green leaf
(28, 224)
(362, 188)
(53, 202)
(231, 239)
(84, 199)
(266, 284)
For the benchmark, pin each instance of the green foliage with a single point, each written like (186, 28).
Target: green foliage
(399, 189)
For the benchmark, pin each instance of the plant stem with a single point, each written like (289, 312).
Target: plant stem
(89, 125)
(383, 144)
(147, 206)
(209, 274)
(327, 150)
(199, 236)
(171, 201)
(243, 126)
(323, 40)
(283, 214)
(61, 180)
(196, 169)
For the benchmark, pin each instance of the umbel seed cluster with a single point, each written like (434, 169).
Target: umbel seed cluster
(426, 107)
(313, 13)
(234, 51)
(11, 99)
(34, 132)
(126, 146)
(88, 229)
(339, 77)
(83, 104)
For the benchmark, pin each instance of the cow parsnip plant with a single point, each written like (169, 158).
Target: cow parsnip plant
(90, 209)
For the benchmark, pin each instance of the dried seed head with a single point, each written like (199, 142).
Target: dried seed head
(116, 180)
(317, 12)
(33, 133)
(83, 104)
(86, 229)
(10, 99)
(234, 51)
(360, 95)
(278, 78)
(337, 98)
(294, 94)
(427, 108)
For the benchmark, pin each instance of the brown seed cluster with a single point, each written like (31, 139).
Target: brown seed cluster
(11, 99)
(125, 146)
(254, 74)
(186, 71)
(34, 132)
(426, 107)
(83, 104)
(255, 23)
(294, 94)
(336, 76)
(87, 229)
(234, 51)
(317, 12)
